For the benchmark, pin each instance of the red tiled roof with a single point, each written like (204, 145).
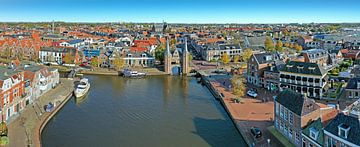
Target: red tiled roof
(138, 49)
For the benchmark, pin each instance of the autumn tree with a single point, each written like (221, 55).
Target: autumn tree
(246, 54)
(269, 44)
(287, 44)
(68, 58)
(298, 48)
(238, 85)
(279, 46)
(225, 58)
(94, 62)
(236, 58)
(119, 63)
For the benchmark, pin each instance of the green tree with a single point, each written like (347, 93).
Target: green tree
(94, 62)
(246, 54)
(238, 85)
(159, 53)
(269, 44)
(279, 46)
(225, 58)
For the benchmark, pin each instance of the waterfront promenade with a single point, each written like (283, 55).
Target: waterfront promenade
(26, 129)
(249, 113)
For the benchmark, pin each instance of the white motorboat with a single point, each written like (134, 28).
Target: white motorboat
(132, 73)
(82, 88)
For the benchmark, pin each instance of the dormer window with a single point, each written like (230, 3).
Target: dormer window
(143, 55)
(314, 133)
(129, 55)
(343, 130)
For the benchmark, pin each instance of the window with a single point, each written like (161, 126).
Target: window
(277, 108)
(281, 111)
(285, 114)
(314, 133)
(291, 118)
(343, 130)
(331, 142)
(297, 137)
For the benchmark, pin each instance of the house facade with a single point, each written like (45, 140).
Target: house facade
(256, 67)
(293, 111)
(352, 90)
(305, 78)
(55, 55)
(12, 91)
(142, 59)
(342, 131)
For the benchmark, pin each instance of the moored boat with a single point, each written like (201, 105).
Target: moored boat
(132, 73)
(82, 88)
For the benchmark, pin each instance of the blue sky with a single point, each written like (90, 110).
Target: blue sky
(182, 11)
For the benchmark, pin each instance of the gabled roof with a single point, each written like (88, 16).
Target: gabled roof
(304, 68)
(352, 84)
(75, 41)
(296, 102)
(316, 125)
(352, 122)
(264, 58)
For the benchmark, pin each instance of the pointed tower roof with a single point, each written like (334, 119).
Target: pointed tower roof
(186, 48)
(167, 47)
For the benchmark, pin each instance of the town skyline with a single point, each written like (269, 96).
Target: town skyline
(198, 12)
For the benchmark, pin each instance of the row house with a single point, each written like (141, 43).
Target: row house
(305, 78)
(12, 92)
(143, 59)
(300, 119)
(213, 52)
(40, 80)
(293, 111)
(318, 56)
(272, 75)
(257, 65)
(352, 90)
(342, 131)
(73, 43)
(55, 55)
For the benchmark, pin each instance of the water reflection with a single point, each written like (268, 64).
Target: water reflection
(154, 111)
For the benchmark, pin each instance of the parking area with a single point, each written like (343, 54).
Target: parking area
(250, 112)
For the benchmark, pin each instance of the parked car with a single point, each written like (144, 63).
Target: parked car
(256, 132)
(252, 93)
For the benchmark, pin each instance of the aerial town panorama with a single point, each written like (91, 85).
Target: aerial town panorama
(188, 76)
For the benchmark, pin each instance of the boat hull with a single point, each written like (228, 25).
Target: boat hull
(79, 94)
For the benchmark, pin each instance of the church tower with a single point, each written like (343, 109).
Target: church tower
(167, 58)
(185, 59)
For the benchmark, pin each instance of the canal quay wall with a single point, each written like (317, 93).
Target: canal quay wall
(41, 125)
(117, 73)
(205, 79)
(26, 130)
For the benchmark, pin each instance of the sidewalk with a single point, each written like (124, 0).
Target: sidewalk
(250, 113)
(22, 130)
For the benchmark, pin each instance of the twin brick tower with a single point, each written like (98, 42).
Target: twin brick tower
(184, 61)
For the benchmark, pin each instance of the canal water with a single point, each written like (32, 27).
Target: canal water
(154, 111)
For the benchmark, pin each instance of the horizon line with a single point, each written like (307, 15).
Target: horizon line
(157, 22)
